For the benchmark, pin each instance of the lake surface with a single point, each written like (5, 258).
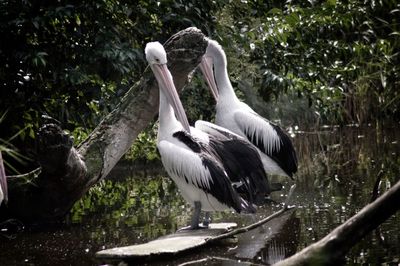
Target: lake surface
(338, 169)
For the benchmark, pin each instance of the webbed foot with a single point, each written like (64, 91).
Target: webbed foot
(191, 227)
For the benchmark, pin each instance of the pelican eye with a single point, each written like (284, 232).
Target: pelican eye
(157, 60)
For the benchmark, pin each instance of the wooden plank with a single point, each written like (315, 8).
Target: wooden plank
(167, 245)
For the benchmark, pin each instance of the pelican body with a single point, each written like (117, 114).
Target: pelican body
(199, 159)
(274, 146)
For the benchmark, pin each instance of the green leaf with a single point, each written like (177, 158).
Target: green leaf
(275, 11)
(331, 3)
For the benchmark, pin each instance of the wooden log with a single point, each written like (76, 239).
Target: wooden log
(331, 249)
(173, 244)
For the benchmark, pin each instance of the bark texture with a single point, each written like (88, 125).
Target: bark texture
(68, 172)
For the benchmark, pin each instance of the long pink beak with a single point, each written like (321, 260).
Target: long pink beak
(166, 83)
(3, 180)
(206, 66)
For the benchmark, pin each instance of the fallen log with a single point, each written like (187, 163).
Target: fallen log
(169, 246)
(331, 249)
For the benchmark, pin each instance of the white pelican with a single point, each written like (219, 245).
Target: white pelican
(275, 147)
(3, 182)
(199, 159)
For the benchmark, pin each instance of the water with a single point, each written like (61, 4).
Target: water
(338, 168)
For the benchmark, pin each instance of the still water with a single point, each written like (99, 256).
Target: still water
(338, 169)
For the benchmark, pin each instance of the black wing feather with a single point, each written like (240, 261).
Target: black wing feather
(285, 156)
(188, 140)
(220, 187)
(243, 164)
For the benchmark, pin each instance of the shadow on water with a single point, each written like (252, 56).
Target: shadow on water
(338, 168)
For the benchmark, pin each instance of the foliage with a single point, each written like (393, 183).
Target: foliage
(343, 56)
(197, 101)
(73, 60)
(145, 147)
(11, 151)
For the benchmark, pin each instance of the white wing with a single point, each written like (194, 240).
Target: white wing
(258, 130)
(269, 139)
(185, 164)
(215, 130)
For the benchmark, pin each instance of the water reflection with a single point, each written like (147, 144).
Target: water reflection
(338, 168)
(272, 242)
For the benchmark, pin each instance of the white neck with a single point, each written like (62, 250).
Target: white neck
(168, 121)
(225, 89)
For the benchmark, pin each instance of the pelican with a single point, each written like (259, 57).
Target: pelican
(274, 146)
(3, 182)
(199, 159)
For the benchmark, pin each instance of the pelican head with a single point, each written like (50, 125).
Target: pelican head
(157, 59)
(155, 53)
(213, 53)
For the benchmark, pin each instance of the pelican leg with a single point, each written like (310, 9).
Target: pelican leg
(194, 224)
(207, 219)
